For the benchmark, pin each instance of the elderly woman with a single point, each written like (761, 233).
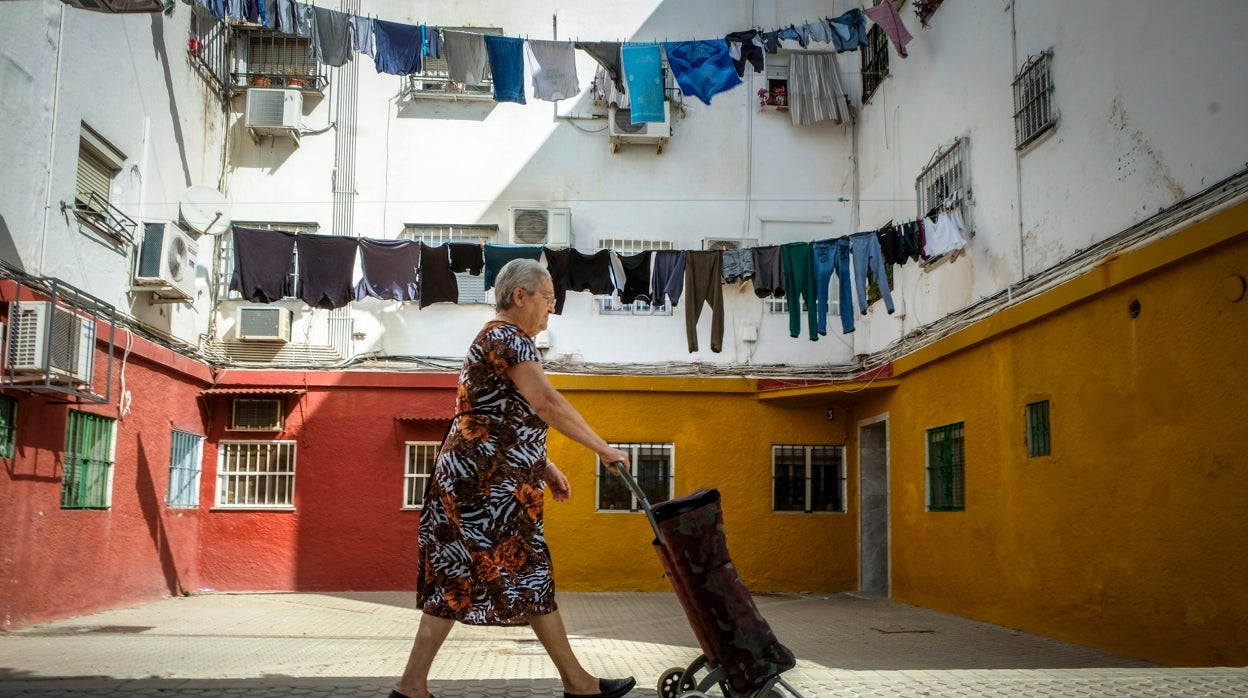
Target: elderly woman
(483, 556)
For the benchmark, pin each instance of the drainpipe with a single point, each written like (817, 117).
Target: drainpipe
(1018, 159)
(56, 104)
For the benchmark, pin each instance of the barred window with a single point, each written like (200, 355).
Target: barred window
(1038, 429)
(946, 182)
(99, 164)
(434, 78)
(186, 455)
(1033, 99)
(87, 480)
(946, 461)
(418, 466)
(606, 306)
(225, 257)
(471, 287)
(807, 478)
(256, 415)
(271, 59)
(652, 468)
(256, 475)
(874, 61)
(8, 425)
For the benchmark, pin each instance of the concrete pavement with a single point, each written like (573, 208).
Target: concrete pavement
(355, 644)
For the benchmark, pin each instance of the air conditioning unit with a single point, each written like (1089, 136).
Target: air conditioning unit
(728, 243)
(622, 130)
(263, 325)
(273, 112)
(122, 6)
(46, 339)
(165, 263)
(551, 227)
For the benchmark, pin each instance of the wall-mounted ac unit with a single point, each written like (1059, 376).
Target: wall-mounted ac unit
(622, 130)
(46, 339)
(728, 243)
(165, 263)
(273, 112)
(263, 324)
(551, 227)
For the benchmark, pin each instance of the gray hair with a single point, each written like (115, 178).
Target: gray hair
(518, 273)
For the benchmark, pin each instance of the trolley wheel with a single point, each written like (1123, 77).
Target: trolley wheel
(766, 692)
(670, 685)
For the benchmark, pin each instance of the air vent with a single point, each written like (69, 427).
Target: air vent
(541, 226)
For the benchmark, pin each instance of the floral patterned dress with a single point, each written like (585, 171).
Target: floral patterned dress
(483, 555)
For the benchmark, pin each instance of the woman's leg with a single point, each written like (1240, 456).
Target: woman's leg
(429, 637)
(551, 633)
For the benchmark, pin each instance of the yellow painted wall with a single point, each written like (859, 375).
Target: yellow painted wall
(1133, 535)
(722, 439)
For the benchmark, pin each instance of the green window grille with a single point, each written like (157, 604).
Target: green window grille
(808, 478)
(8, 425)
(946, 475)
(1038, 429)
(86, 481)
(185, 458)
(420, 459)
(652, 468)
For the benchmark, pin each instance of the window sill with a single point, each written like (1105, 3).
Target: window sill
(773, 107)
(279, 509)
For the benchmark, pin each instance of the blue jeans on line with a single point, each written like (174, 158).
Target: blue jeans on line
(830, 256)
(867, 254)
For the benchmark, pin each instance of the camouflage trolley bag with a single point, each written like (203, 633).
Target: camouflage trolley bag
(740, 653)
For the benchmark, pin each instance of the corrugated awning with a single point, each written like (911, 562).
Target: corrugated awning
(253, 391)
(434, 415)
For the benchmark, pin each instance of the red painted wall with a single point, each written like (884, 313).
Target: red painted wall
(348, 531)
(58, 562)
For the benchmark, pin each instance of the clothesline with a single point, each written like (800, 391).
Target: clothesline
(701, 67)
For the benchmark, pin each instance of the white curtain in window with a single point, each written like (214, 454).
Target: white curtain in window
(815, 92)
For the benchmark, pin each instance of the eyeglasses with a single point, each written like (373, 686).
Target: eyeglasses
(550, 297)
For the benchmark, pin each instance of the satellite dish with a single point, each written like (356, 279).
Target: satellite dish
(205, 210)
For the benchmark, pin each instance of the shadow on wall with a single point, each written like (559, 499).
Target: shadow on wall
(150, 503)
(8, 250)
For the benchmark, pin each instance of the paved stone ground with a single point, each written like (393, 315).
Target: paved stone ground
(355, 644)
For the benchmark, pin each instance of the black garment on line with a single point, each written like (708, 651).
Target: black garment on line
(262, 260)
(636, 277)
(891, 246)
(466, 256)
(437, 281)
(389, 270)
(768, 276)
(325, 265)
(590, 272)
(704, 283)
(607, 55)
(557, 265)
(750, 51)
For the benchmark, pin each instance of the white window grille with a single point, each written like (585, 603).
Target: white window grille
(807, 478)
(1033, 99)
(946, 182)
(256, 415)
(606, 304)
(653, 467)
(781, 305)
(256, 475)
(99, 164)
(434, 78)
(186, 455)
(418, 466)
(471, 287)
(225, 256)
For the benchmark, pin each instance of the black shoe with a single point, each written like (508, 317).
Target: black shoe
(608, 688)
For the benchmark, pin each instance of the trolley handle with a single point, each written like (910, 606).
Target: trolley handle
(641, 497)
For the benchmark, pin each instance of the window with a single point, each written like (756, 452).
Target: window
(99, 163)
(807, 478)
(946, 183)
(781, 305)
(606, 305)
(256, 474)
(416, 472)
(1033, 99)
(652, 468)
(225, 257)
(471, 288)
(946, 460)
(434, 79)
(1038, 429)
(186, 455)
(874, 61)
(256, 415)
(270, 59)
(88, 474)
(8, 425)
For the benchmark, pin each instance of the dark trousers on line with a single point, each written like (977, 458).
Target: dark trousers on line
(703, 283)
